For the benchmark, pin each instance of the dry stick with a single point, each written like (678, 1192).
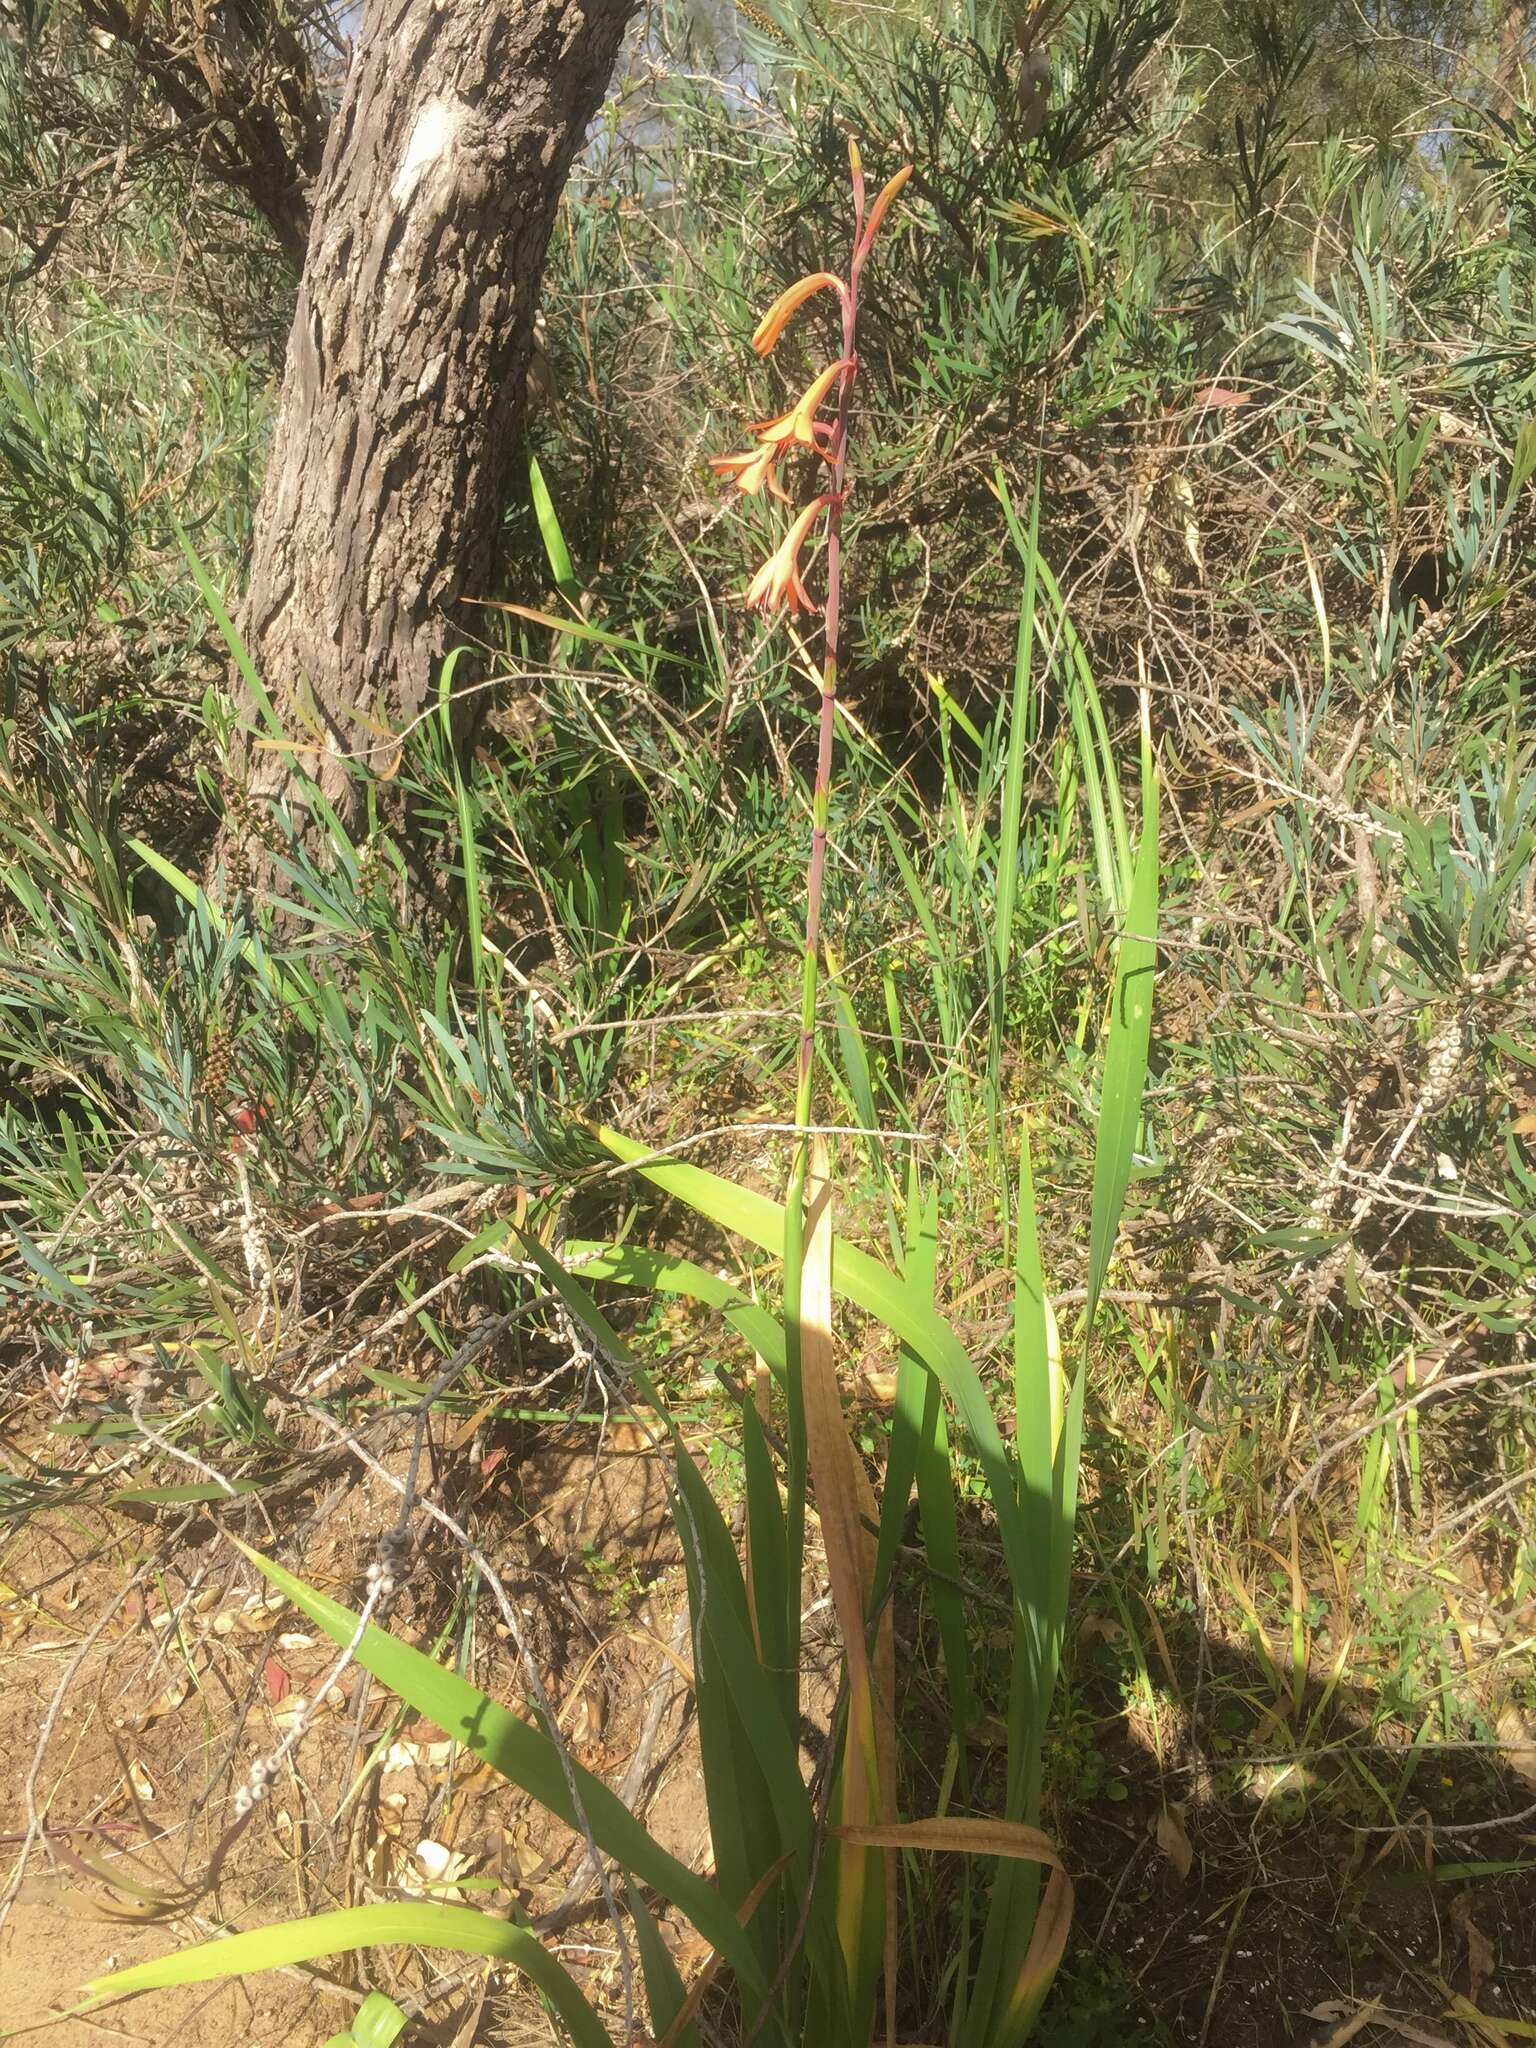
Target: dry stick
(1222, 1962)
(1456, 1827)
(1477, 1508)
(1430, 1393)
(402, 1316)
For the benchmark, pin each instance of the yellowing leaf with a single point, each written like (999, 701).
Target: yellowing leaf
(959, 1836)
(835, 1479)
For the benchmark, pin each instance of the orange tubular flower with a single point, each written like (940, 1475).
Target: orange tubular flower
(798, 427)
(778, 580)
(788, 303)
(878, 211)
(751, 471)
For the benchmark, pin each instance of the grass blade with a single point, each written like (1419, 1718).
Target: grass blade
(1125, 1054)
(239, 652)
(1013, 775)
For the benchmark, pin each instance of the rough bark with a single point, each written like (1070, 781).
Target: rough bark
(1515, 36)
(404, 387)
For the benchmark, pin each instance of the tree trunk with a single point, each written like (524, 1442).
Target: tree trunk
(1514, 48)
(404, 387)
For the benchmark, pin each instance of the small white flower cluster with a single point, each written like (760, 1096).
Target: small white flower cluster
(386, 1570)
(1331, 1270)
(1519, 959)
(259, 1778)
(1444, 1057)
(69, 1381)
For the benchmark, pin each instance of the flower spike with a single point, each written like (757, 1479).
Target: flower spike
(778, 581)
(788, 303)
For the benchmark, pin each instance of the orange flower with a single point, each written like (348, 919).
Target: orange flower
(798, 427)
(778, 580)
(787, 304)
(887, 193)
(751, 471)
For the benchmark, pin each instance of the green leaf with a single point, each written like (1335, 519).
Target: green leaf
(182, 1496)
(634, 1265)
(1125, 1055)
(920, 1455)
(578, 629)
(560, 564)
(873, 1287)
(383, 1926)
(755, 1813)
(1018, 744)
(59, 1284)
(1523, 464)
(239, 652)
(192, 892)
(1035, 1408)
(379, 2022)
(663, 1986)
(952, 709)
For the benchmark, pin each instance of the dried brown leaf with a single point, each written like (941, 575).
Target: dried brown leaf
(1356, 2020)
(1407, 2031)
(1480, 1953)
(174, 1695)
(1517, 1745)
(1174, 1841)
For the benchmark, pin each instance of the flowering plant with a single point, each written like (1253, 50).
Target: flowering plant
(780, 581)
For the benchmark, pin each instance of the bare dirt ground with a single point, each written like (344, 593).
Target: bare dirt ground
(1215, 1906)
(154, 1701)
